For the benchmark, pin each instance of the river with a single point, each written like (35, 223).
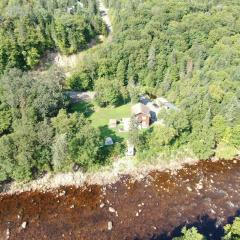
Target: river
(205, 195)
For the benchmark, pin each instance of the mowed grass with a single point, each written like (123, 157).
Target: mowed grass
(100, 117)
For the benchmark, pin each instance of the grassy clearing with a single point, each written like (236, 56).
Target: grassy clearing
(100, 117)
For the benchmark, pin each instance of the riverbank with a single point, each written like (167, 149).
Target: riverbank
(205, 194)
(103, 176)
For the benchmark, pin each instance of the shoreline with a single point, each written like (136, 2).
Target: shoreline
(103, 176)
(156, 205)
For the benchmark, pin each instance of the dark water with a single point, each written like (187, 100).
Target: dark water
(205, 195)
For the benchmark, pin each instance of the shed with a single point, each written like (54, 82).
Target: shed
(163, 102)
(112, 123)
(108, 141)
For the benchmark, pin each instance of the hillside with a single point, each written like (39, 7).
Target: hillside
(29, 28)
(189, 53)
(184, 53)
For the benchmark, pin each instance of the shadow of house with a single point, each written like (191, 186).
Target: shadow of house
(154, 111)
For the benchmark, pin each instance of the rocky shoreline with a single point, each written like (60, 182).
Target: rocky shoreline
(204, 194)
(104, 176)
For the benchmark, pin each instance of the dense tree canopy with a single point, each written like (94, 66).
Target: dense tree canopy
(187, 52)
(190, 234)
(28, 28)
(231, 232)
(36, 135)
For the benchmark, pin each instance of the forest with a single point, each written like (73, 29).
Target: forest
(231, 232)
(189, 53)
(186, 51)
(29, 28)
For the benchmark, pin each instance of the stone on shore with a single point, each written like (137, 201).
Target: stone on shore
(110, 226)
(8, 234)
(24, 225)
(112, 210)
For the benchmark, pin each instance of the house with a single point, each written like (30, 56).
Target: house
(142, 115)
(112, 123)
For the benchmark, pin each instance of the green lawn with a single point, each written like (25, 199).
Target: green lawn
(100, 117)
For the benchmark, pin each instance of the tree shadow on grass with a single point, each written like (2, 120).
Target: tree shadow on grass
(106, 132)
(107, 152)
(206, 225)
(84, 107)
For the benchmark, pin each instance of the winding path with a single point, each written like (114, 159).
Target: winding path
(105, 16)
(70, 62)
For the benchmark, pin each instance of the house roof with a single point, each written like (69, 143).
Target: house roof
(140, 108)
(164, 102)
(153, 107)
(145, 99)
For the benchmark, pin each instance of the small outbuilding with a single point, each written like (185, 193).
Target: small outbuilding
(108, 141)
(130, 151)
(112, 123)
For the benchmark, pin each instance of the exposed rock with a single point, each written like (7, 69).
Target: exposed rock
(102, 205)
(24, 225)
(230, 204)
(8, 234)
(112, 210)
(110, 226)
(199, 186)
(62, 193)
